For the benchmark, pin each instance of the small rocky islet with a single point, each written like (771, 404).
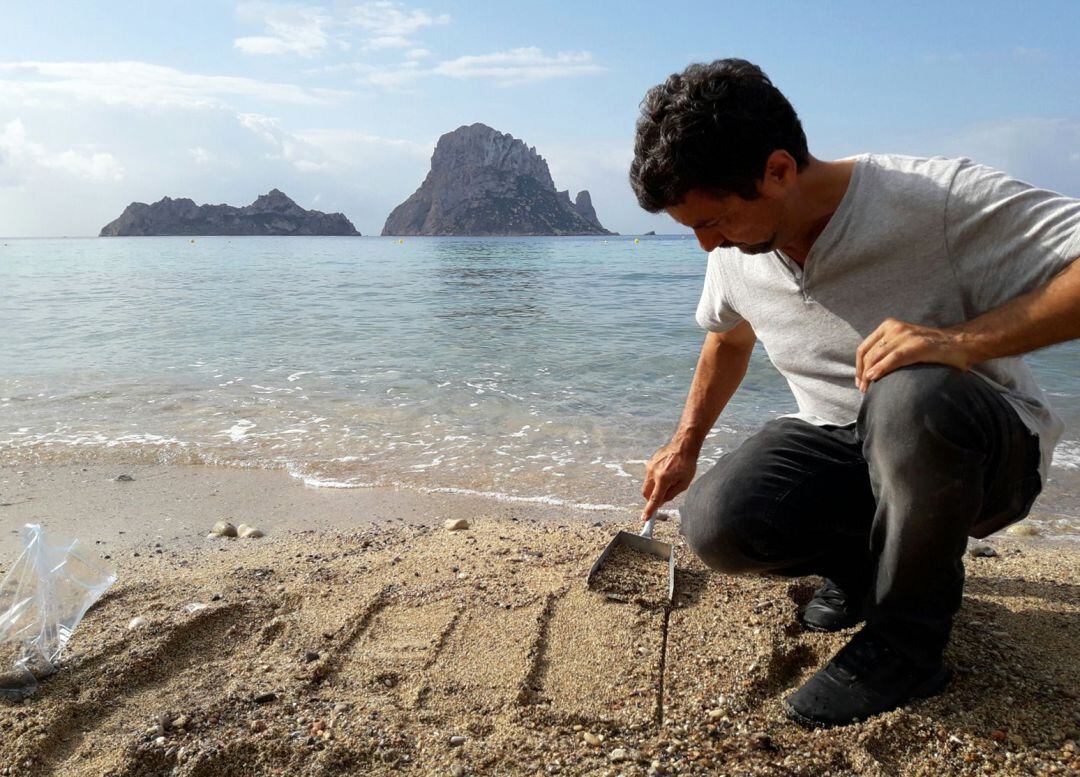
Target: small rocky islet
(274, 213)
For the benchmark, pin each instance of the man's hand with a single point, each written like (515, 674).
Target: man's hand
(668, 473)
(897, 344)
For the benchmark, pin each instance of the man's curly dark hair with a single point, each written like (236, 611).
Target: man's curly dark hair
(711, 127)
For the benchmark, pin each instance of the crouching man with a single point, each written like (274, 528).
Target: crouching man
(896, 295)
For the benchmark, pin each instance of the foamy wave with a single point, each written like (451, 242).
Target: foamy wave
(1067, 455)
(237, 431)
(316, 482)
(87, 439)
(617, 468)
(501, 497)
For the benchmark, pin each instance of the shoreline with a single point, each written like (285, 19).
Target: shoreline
(379, 642)
(179, 502)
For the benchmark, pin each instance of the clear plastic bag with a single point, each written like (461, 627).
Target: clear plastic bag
(42, 599)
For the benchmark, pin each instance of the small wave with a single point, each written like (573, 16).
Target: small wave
(617, 468)
(316, 482)
(237, 431)
(1067, 455)
(501, 497)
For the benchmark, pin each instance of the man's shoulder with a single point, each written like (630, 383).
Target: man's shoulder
(935, 171)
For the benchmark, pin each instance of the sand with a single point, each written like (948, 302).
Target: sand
(383, 646)
(630, 575)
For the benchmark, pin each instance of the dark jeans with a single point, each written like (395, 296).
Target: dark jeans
(883, 507)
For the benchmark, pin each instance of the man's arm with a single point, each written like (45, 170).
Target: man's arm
(1044, 316)
(720, 369)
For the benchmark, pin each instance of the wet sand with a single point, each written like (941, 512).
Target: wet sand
(359, 636)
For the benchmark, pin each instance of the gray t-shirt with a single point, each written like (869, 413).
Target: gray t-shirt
(934, 242)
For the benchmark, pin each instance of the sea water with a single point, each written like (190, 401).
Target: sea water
(536, 369)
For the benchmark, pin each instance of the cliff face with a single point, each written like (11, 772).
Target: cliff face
(484, 182)
(271, 214)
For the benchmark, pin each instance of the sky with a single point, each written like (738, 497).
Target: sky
(340, 103)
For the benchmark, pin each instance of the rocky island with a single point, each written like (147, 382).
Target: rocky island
(485, 182)
(271, 214)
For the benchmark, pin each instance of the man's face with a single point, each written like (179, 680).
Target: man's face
(752, 226)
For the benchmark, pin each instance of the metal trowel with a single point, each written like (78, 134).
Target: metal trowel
(643, 543)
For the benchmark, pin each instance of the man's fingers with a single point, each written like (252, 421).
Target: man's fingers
(653, 504)
(646, 488)
(892, 361)
(864, 348)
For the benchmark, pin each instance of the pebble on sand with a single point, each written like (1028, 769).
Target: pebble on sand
(980, 550)
(136, 623)
(243, 531)
(456, 524)
(223, 529)
(457, 740)
(263, 698)
(1022, 530)
(194, 607)
(124, 478)
(591, 739)
(618, 755)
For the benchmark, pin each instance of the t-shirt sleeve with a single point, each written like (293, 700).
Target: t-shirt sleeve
(1005, 237)
(715, 311)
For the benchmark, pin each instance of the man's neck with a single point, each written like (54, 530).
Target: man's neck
(822, 186)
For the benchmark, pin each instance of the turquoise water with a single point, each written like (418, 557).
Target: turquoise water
(532, 368)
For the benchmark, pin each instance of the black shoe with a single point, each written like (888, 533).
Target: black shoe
(831, 609)
(867, 677)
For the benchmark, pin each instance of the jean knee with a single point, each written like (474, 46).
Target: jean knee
(714, 531)
(913, 397)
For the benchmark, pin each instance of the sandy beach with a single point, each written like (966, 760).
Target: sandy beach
(359, 636)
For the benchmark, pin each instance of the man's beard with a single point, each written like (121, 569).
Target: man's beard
(758, 248)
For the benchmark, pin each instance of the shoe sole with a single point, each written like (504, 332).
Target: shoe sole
(933, 686)
(829, 630)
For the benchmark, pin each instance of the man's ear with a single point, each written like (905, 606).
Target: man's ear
(780, 170)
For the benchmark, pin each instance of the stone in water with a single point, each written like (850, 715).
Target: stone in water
(223, 529)
(1022, 530)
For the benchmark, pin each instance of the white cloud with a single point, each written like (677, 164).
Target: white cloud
(307, 31)
(1036, 150)
(284, 145)
(328, 150)
(391, 76)
(382, 18)
(517, 65)
(200, 155)
(291, 29)
(418, 53)
(1026, 54)
(141, 85)
(388, 42)
(504, 67)
(352, 148)
(21, 157)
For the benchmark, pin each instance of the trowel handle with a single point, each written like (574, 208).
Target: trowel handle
(647, 531)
